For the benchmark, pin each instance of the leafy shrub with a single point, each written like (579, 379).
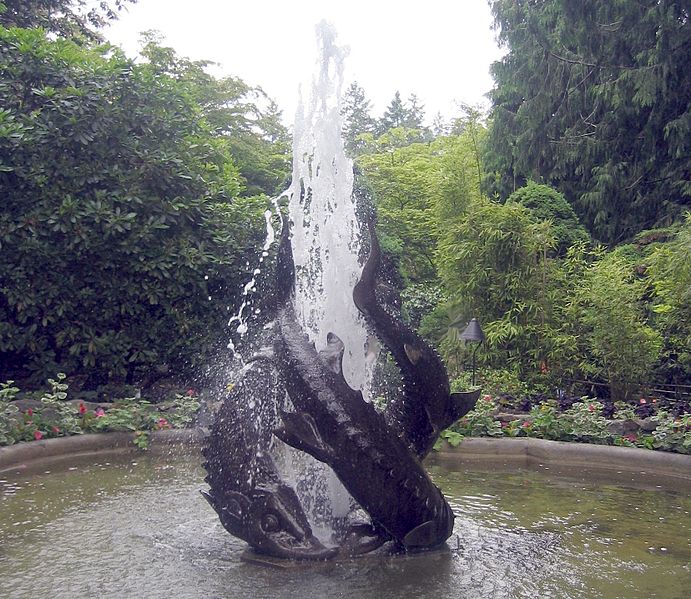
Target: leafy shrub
(672, 434)
(60, 417)
(669, 270)
(120, 215)
(582, 422)
(8, 412)
(547, 204)
(614, 342)
(480, 422)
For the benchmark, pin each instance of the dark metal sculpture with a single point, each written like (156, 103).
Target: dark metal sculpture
(376, 458)
(426, 407)
(245, 488)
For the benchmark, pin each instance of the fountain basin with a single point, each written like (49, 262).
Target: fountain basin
(118, 522)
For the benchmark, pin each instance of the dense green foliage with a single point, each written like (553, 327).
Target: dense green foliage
(133, 193)
(547, 204)
(594, 98)
(66, 18)
(120, 214)
(556, 309)
(52, 412)
(582, 422)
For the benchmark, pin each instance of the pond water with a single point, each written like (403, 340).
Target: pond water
(136, 526)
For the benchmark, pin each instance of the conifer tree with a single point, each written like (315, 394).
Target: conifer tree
(356, 117)
(594, 98)
(395, 115)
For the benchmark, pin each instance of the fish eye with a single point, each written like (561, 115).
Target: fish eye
(270, 523)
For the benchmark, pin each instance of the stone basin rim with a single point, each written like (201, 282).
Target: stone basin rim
(34, 454)
(477, 450)
(578, 458)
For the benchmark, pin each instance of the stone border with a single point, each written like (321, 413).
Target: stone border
(583, 457)
(586, 458)
(33, 453)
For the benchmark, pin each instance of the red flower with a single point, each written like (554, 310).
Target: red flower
(631, 437)
(82, 409)
(38, 435)
(591, 407)
(527, 424)
(100, 412)
(29, 412)
(56, 429)
(162, 423)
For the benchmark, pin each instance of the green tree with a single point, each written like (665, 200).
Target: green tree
(403, 180)
(593, 99)
(66, 18)
(548, 204)
(669, 270)
(494, 266)
(120, 215)
(245, 116)
(356, 118)
(395, 115)
(415, 114)
(611, 340)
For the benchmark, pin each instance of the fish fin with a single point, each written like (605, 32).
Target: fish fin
(332, 355)
(413, 353)
(463, 402)
(231, 522)
(209, 498)
(424, 535)
(300, 431)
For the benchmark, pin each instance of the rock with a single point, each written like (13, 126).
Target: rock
(623, 427)
(647, 425)
(26, 404)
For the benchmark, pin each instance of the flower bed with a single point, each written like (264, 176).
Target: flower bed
(52, 414)
(582, 422)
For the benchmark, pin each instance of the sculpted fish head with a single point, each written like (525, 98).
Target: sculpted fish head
(463, 402)
(272, 522)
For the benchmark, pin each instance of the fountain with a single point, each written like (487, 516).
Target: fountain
(117, 523)
(308, 393)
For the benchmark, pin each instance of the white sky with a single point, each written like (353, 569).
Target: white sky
(439, 50)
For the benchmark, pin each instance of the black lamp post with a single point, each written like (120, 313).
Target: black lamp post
(473, 333)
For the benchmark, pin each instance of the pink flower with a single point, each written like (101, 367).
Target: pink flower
(190, 393)
(162, 423)
(29, 412)
(642, 401)
(486, 398)
(56, 429)
(631, 437)
(591, 408)
(38, 435)
(527, 424)
(82, 409)
(100, 412)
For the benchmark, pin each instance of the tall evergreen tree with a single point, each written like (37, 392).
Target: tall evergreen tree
(439, 125)
(594, 98)
(415, 113)
(395, 115)
(356, 117)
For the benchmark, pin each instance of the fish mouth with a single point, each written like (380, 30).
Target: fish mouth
(288, 547)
